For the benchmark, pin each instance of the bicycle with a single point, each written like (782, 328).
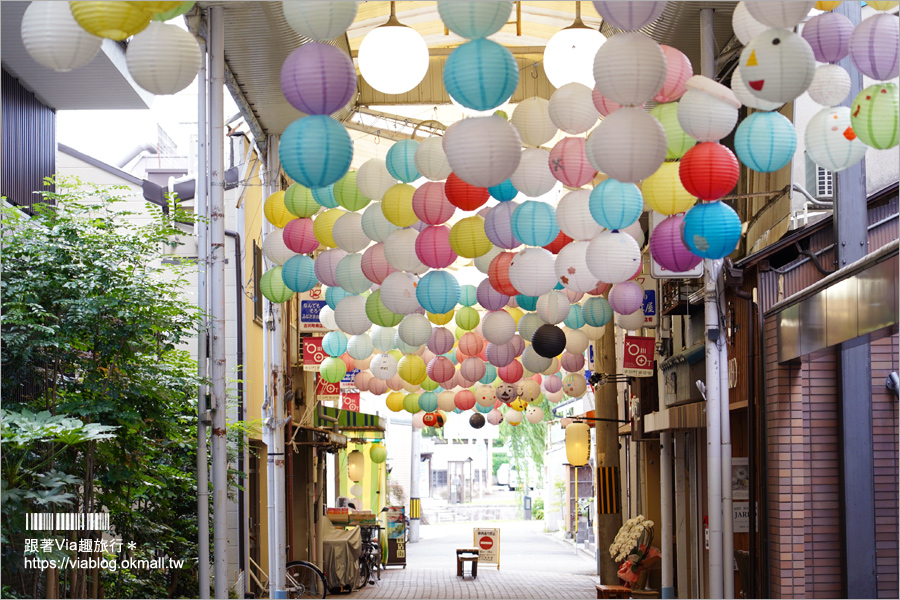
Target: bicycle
(302, 579)
(370, 556)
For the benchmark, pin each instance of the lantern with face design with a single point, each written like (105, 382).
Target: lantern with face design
(831, 141)
(529, 390)
(777, 65)
(505, 393)
(874, 115)
(485, 396)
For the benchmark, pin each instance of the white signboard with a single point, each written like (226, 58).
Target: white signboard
(488, 543)
(741, 511)
(657, 271)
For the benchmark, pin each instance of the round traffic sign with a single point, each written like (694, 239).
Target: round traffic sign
(486, 543)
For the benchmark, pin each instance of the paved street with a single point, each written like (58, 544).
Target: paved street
(532, 565)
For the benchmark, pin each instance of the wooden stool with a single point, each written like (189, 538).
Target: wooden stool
(613, 591)
(467, 555)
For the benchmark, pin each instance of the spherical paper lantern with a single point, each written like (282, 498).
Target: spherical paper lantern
(374, 264)
(571, 107)
(401, 161)
(431, 205)
(275, 249)
(613, 257)
(574, 216)
(441, 369)
(480, 75)
(604, 105)
(534, 414)
(874, 115)
(438, 292)
(745, 26)
(490, 298)
(636, 232)
(324, 196)
(765, 141)
(780, 14)
(430, 160)
(504, 191)
(432, 247)
(400, 251)
(677, 141)
(53, 38)
(498, 327)
(498, 226)
(398, 292)
(576, 341)
(531, 118)
(383, 338)
(350, 315)
(414, 329)
(397, 205)
(476, 421)
(746, 98)
(678, 70)
(495, 417)
(332, 369)
(334, 343)
(704, 116)
(572, 270)
(709, 171)
(375, 225)
(467, 318)
(532, 271)
(464, 400)
(114, 20)
(571, 363)
(630, 16)
(471, 344)
(326, 318)
(483, 151)
(828, 35)
(411, 405)
(463, 195)
(597, 311)
(512, 372)
(347, 193)
(298, 236)
(472, 369)
(558, 243)
(664, 192)
(441, 340)
(467, 295)
(628, 145)
(321, 21)
(630, 68)
(360, 347)
(630, 322)
(315, 151)
(373, 179)
(383, 366)
(615, 205)
(318, 79)
(513, 417)
(272, 286)
(498, 274)
(534, 223)
(326, 266)
(377, 453)
(574, 385)
(548, 341)
(411, 369)
(711, 230)
(553, 307)
(668, 248)
(777, 65)
(533, 363)
(299, 201)
(276, 212)
(468, 239)
(533, 176)
(393, 58)
(831, 141)
(500, 356)
(626, 297)
(830, 85)
(474, 20)
(348, 233)
(575, 318)
(883, 4)
(299, 274)
(323, 226)
(569, 163)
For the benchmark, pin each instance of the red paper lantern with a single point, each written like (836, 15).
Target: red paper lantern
(512, 372)
(464, 399)
(709, 171)
(601, 289)
(561, 241)
(464, 196)
(498, 274)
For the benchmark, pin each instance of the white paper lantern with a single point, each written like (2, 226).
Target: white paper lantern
(576, 341)
(745, 26)
(533, 361)
(513, 417)
(534, 414)
(163, 59)
(373, 179)
(569, 55)
(483, 262)
(320, 21)
(552, 307)
(360, 347)
(708, 110)
(54, 39)
(532, 272)
(384, 338)
(483, 151)
(573, 215)
(414, 329)
(348, 233)
(777, 65)
(572, 269)
(430, 159)
(275, 249)
(629, 16)
(349, 275)
(636, 232)
(630, 69)
(628, 145)
(574, 385)
(383, 366)
(531, 118)
(498, 327)
(830, 85)
(350, 315)
(398, 293)
(400, 251)
(375, 225)
(528, 324)
(533, 176)
(326, 318)
(830, 140)
(745, 97)
(778, 14)
(572, 109)
(613, 257)
(631, 322)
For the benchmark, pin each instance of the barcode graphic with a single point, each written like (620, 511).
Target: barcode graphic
(66, 521)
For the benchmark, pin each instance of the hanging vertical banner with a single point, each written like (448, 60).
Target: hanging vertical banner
(648, 305)
(350, 401)
(313, 354)
(311, 303)
(327, 392)
(639, 353)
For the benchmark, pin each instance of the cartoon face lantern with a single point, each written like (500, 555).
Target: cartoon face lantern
(485, 396)
(433, 419)
(505, 392)
(529, 390)
(574, 385)
(874, 115)
(777, 65)
(831, 141)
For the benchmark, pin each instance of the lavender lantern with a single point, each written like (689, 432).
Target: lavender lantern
(828, 35)
(318, 79)
(668, 249)
(875, 46)
(490, 298)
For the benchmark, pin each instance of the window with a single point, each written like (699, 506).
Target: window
(257, 292)
(439, 478)
(819, 181)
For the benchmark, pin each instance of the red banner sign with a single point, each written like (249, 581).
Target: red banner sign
(327, 392)
(313, 354)
(350, 401)
(639, 353)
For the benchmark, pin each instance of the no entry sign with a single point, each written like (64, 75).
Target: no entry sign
(485, 543)
(488, 543)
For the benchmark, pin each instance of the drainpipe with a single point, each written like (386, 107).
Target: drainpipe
(665, 482)
(727, 500)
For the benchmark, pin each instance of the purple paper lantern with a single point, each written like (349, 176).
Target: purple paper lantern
(828, 35)
(518, 344)
(431, 205)
(552, 383)
(875, 46)
(571, 363)
(490, 298)
(433, 247)
(626, 297)
(441, 340)
(318, 79)
(326, 265)
(500, 355)
(668, 248)
(498, 226)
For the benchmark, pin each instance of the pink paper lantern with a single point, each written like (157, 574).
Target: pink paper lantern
(441, 341)
(601, 289)
(326, 264)
(470, 344)
(569, 163)
(440, 369)
(494, 417)
(377, 386)
(668, 248)
(626, 297)
(433, 247)
(431, 205)
(679, 70)
(552, 383)
(395, 383)
(374, 264)
(571, 363)
(362, 380)
(512, 372)
(604, 105)
(518, 344)
(298, 236)
(573, 296)
(472, 369)
(500, 355)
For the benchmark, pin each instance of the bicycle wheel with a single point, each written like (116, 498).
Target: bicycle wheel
(363, 577)
(304, 580)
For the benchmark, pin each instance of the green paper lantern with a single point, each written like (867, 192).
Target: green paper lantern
(677, 141)
(467, 318)
(429, 385)
(179, 10)
(874, 115)
(347, 193)
(333, 369)
(378, 453)
(378, 313)
(300, 202)
(273, 288)
(411, 403)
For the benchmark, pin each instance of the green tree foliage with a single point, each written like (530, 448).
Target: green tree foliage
(525, 446)
(99, 390)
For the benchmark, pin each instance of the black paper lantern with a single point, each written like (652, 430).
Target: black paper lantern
(476, 420)
(548, 341)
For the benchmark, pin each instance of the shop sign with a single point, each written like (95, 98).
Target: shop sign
(639, 353)
(313, 354)
(347, 381)
(327, 392)
(350, 401)
(396, 534)
(487, 541)
(311, 303)
(648, 305)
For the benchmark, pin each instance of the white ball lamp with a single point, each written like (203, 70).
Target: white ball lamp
(393, 58)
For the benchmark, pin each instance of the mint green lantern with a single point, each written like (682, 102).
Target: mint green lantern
(333, 369)
(467, 318)
(874, 115)
(677, 141)
(273, 288)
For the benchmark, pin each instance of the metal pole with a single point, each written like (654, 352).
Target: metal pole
(665, 483)
(203, 338)
(217, 297)
(606, 450)
(414, 503)
(681, 515)
(727, 500)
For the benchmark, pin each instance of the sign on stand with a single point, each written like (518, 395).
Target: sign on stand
(488, 543)
(639, 354)
(396, 536)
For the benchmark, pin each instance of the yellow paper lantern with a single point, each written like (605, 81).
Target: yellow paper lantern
(356, 462)
(155, 8)
(664, 192)
(468, 239)
(323, 226)
(518, 404)
(578, 444)
(826, 6)
(394, 401)
(515, 312)
(113, 20)
(411, 369)
(441, 319)
(397, 205)
(878, 5)
(276, 212)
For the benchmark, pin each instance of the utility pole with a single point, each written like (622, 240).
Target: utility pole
(415, 504)
(606, 449)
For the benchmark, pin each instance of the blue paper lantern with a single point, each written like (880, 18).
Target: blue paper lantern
(765, 141)
(559, 286)
(333, 295)
(534, 223)
(481, 74)
(474, 20)
(490, 374)
(428, 401)
(401, 161)
(315, 151)
(526, 302)
(711, 230)
(334, 343)
(616, 205)
(324, 196)
(575, 318)
(504, 192)
(482, 409)
(468, 295)
(438, 292)
(596, 311)
(299, 273)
